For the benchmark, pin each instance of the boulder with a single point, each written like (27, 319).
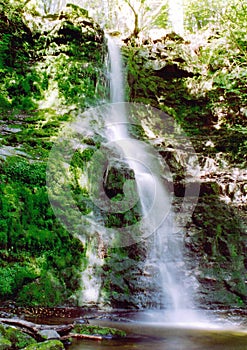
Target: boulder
(115, 176)
(49, 334)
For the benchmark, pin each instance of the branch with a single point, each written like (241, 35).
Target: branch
(136, 26)
(130, 5)
(82, 336)
(149, 21)
(21, 323)
(34, 329)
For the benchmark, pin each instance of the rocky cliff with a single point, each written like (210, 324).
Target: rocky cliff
(168, 73)
(52, 74)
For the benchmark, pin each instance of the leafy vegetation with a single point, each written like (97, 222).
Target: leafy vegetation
(17, 339)
(36, 252)
(212, 101)
(40, 262)
(21, 84)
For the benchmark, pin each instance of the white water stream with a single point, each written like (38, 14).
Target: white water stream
(166, 249)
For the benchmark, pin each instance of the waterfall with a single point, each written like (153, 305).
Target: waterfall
(166, 246)
(116, 72)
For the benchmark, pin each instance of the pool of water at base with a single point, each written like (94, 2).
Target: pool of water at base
(170, 341)
(146, 332)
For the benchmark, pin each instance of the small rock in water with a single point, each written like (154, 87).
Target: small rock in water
(81, 321)
(108, 336)
(4, 314)
(49, 334)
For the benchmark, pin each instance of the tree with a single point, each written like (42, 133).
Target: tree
(135, 11)
(199, 13)
(146, 14)
(129, 17)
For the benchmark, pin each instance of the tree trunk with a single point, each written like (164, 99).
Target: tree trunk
(136, 30)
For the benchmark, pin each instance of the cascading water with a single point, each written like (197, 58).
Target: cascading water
(116, 72)
(166, 247)
(164, 263)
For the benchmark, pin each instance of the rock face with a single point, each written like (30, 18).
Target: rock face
(214, 240)
(162, 60)
(165, 60)
(212, 235)
(115, 177)
(215, 235)
(58, 64)
(73, 25)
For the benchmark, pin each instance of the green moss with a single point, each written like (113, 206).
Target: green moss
(45, 80)
(17, 338)
(46, 291)
(33, 245)
(47, 345)
(79, 158)
(5, 344)
(20, 170)
(97, 330)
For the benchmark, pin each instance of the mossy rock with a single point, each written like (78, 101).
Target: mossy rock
(76, 11)
(115, 177)
(17, 338)
(47, 345)
(97, 330)
(5, 344)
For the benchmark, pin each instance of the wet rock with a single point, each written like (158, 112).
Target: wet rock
(4, 314)
(104, 332)
(81, 321)
(72, 27)
(115, 176)
(49, 334)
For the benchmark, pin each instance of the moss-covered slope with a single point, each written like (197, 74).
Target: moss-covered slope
(50, 70)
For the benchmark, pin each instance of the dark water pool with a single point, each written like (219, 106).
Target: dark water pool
(146, 331)
(161, 330)
(171, 340)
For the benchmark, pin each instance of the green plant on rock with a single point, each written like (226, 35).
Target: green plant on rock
(45, 291)
(79, 84)
(33, 244)
(53, 344)
(97, 330)
(21, 82)
(13, 277)
(21, 170)
(17, 339)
